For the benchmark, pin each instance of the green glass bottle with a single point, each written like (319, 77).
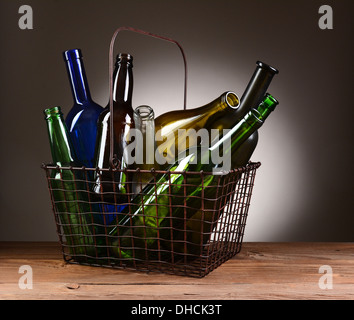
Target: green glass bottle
(174, 129)
(267, 106)
(70, 207)
(194, 228)
(157, 216)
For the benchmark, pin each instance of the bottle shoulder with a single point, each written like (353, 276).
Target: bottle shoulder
(203, 114)
(122, 109)
(84, 113)
(182, 119)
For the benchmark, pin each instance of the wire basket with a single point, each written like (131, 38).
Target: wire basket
(190, 228)
(190, 235)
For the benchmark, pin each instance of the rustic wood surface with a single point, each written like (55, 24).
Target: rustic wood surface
(259, 271)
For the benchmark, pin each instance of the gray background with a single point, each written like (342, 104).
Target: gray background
(304, 189)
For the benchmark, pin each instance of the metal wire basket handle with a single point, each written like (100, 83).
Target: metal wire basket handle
(111, 49)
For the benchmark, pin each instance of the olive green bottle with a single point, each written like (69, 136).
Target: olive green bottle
(156, 218)
(71, 210)
(178, 130)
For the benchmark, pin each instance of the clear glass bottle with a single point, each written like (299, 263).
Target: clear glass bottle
(144, 118)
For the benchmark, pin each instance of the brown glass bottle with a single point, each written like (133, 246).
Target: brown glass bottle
(123, 122)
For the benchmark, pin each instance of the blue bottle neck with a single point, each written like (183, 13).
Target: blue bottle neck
(77, 75)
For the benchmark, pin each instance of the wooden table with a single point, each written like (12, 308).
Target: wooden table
(259, 271)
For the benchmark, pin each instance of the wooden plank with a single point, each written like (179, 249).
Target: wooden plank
(260, 271)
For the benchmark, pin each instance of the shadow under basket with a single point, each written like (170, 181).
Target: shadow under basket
(187, 223)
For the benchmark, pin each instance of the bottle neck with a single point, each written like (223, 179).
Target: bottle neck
(77, 75)
(123, 83)
(267, 106)
(144, 119)
(228, 100)
(239, 133)
(60, 143)
(257, 87)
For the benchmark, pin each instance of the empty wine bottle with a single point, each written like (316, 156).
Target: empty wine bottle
(156, 217)
(252, 97)
(178, 130)
(70, 205)
(194, 227)
(144, 118)
(82, 118)
(123, 122)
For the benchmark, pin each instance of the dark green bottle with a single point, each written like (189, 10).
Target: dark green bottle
(194, 226)
(70, 207)
(252, 96)
(156, 218)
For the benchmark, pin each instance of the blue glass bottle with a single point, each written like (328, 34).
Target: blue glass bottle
(82, 118)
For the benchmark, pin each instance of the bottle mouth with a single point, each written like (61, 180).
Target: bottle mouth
(144, 112)
(52, 111)
(232, 100)
(267, 66)
(124, 56)
(269, 96)
(72, 54)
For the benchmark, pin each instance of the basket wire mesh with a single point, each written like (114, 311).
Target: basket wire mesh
(192, 244)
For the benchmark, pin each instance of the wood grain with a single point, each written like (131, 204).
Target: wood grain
(259, 271)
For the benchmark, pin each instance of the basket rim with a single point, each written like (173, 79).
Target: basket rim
(249, 166)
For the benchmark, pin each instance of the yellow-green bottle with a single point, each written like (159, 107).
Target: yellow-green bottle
(178, 130)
